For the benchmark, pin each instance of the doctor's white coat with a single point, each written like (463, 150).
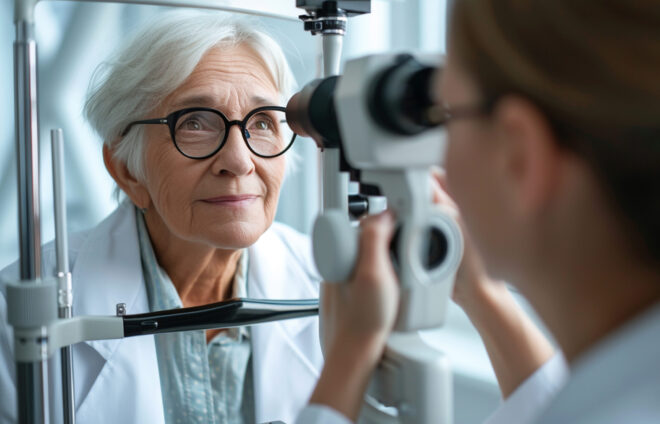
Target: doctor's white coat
(117, 381)
(615, 382)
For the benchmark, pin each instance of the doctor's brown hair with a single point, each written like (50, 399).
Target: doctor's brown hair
(593, 68)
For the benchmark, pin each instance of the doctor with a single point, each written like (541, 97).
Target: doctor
(553, 113)
(194, 136)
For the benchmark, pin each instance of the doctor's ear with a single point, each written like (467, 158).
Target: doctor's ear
(119, 172)
(530, 154)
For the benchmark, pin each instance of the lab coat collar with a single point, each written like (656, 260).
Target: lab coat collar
(287, 356)
(108, 272)
(625, 361)
(270, 256)
(634, 340)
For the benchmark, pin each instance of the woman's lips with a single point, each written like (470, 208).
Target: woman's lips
(235, 200)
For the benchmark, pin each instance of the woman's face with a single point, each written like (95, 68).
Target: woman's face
(473, 166)
(228, 200)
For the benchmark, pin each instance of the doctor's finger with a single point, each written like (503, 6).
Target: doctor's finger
(439, 188)
(373, 259)
(440, 176)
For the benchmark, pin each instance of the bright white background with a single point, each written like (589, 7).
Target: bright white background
(74, 37)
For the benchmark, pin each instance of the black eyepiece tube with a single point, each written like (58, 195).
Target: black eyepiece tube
(311, 112)
(231, 313)
(401, 96)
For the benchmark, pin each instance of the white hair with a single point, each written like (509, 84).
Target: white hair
(156, 61)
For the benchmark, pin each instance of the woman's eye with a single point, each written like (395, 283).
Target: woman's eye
(262, 125)
(192, 125)
(261, 122)
(196, 121)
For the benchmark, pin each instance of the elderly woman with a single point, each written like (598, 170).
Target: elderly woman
(194, 135)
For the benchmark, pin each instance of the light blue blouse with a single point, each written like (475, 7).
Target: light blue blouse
(200, 382)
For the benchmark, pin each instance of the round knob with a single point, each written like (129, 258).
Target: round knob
(335, 245)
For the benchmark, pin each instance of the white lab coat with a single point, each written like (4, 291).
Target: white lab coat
(523, 406)
(615, 382)
(117, 381)
(533, 395)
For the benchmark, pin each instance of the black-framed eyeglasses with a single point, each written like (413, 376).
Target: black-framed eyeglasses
(442, 114)
(200, 132)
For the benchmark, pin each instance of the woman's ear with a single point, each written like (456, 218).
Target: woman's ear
(133, 188)
(530, 152)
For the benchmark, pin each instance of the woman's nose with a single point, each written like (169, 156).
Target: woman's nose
(234, 158)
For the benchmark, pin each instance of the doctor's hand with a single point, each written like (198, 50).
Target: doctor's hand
(356, 319)
(515, 345)
(472, 281)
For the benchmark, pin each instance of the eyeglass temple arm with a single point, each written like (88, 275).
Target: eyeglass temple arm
(145, 121)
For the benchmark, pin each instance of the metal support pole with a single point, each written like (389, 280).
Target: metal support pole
(334, 181)
(27, 146)
(32, 377)
(64, 286)
(332, 47)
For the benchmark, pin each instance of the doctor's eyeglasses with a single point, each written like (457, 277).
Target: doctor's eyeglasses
(200, 132)
(442, 114)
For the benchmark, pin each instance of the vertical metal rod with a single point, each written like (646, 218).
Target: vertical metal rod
(64, 289)
(27, 146)
(332, 47)
(32, 378)
(59, 196)
(32, 402)
(334, 181)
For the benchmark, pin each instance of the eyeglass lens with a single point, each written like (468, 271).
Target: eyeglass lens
(199, 133)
